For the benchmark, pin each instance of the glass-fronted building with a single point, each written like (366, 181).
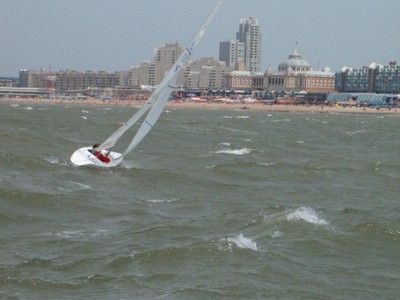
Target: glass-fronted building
(373, 79)
(387, 78)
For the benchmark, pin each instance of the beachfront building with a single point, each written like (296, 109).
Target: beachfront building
(151, 73)
(134, 76)
(165, 58)
(373, 79)
(239, 80)
(8, 81)
(294, 64)
(249, 33)
(63, 81)
(232, 52)
(295, 75)
(245, 80)
(203, 74)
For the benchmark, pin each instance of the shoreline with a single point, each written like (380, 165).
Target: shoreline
(213, 106)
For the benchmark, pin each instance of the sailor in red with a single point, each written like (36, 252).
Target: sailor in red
(100, 156)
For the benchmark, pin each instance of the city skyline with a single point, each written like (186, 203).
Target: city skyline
(114, 36)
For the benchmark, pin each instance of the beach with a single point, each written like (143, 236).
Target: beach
(214, 106)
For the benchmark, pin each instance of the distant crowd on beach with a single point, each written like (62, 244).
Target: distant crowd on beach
(233, 105)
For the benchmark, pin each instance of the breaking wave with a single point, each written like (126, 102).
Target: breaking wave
(306, 214)
(235, 152)
(242, 242)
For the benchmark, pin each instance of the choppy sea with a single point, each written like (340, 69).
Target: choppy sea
(213, 204)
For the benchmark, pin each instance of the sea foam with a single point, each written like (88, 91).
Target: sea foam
(306, 214)
(243, 242)
(55, 161)
(235, 152)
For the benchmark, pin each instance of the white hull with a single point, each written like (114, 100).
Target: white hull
(82, 157)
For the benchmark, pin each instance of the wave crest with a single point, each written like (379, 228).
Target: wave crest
(235, 152)
(306, 214)
(242, 242)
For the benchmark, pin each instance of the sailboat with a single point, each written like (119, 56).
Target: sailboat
(101, 155)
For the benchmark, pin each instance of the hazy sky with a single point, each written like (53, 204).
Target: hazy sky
(113, 35)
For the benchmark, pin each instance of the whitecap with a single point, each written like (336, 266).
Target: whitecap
(163, 200)
(266, 164)
(85, 111)
(14, 105)
(243, 242)
(351, 133)
(55, 161)
(235, 152)
(242, 117)
(282, 120)
(227, 117)
(225, 144)
(276, 234)
(69, 233)
(99, 232)
(84, 117)
(28, 108)
(306, 214)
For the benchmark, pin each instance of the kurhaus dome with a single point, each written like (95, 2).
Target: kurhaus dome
(294, 63)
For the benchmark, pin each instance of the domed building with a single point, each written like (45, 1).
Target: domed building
(295, 75)
(294, 64)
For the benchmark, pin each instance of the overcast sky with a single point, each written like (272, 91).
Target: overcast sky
(115, 35)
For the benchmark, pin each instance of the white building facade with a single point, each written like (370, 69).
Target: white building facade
(249, 34)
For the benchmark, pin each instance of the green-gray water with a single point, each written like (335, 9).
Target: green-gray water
(212, 205)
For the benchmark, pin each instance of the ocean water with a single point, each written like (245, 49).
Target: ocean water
(213, 204)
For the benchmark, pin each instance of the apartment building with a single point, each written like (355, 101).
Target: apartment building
(205, 73)
(63, 81)
(373, 79)
(249, 34)
(232, 52)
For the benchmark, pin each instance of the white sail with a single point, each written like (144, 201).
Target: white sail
(112, 139)
(156, 101)
(164, 90)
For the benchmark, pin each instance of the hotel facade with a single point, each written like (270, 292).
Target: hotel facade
(294, 75)
(373, 79)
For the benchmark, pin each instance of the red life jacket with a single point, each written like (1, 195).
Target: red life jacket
(101, 157)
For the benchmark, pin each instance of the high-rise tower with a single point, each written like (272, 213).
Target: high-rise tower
(249, 34)
(232, 52)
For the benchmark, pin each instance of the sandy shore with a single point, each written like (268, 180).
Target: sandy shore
(214, 106)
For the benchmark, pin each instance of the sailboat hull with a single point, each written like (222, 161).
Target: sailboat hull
(83, 157)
